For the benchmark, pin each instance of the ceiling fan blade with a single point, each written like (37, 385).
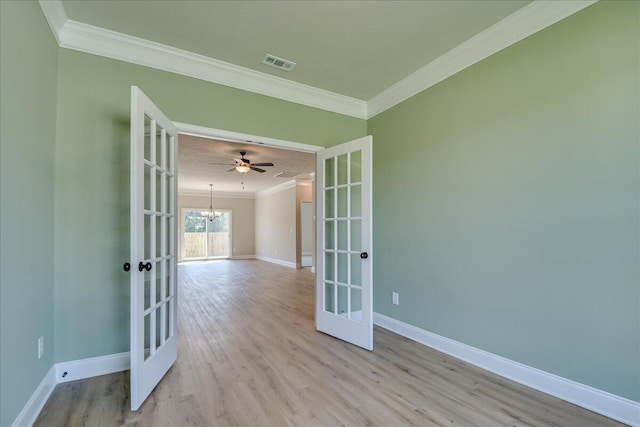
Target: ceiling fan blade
(261, 164)
(225, 164)
(239, 160)
(232, 169)
(257, 169)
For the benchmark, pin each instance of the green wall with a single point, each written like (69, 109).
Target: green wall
(506, 202)
(92, 179)
(28, 58)
(518, 232)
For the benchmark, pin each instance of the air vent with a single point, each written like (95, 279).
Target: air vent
(282, 64)
(287, 174)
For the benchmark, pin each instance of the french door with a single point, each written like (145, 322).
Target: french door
(344, 294)
(154, 141)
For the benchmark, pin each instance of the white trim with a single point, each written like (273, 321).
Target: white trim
(244, 138)
(277, 261)
(278, 188)
(92, 367)
(217, 194)
(527, 21)
(55, 15)
(242, 257)
(602, 402)
(98, 41)
(36, 402)
(82, 37)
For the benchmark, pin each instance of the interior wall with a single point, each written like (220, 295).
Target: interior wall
(28, 72)
(304, 193)
(242, 225)
(92, 179)
(515, 228)
(276, 225)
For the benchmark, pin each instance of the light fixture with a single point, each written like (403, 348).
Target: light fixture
(211, 215)
(243, 168)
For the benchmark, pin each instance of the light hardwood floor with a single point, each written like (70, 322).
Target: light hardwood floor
(249, 355)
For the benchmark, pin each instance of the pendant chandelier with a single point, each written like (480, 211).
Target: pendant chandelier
(211, 214)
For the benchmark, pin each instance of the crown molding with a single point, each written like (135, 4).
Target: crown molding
(111, 44)
(98, 41)
(515, 27)
(278, 188)
(55, 15)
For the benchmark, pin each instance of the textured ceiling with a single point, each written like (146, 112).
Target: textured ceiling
(196, 171)
(354, 48)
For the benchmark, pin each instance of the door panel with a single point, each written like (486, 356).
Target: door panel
(344, 288)
(153, 246)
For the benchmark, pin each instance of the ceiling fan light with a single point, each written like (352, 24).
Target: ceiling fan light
(243, 168)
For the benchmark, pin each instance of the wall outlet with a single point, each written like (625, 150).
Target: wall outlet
(395, 298)
(40, 347)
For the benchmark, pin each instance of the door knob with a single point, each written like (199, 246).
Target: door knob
(126, 266)
(364, 255)
(143, 266)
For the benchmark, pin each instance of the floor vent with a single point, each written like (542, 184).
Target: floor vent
(282, 64)
(287, 174)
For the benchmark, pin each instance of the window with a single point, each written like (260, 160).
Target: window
(204, 239)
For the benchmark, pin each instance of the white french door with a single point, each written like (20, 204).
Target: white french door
(154, 141)
(344, 294)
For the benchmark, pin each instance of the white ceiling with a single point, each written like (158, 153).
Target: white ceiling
(196, 168)
(353, 48)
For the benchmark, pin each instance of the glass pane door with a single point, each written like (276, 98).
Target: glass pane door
(206, 239)
(153, 246)
(195, 235)
(343, 236)
(219, 236)
(344, 304)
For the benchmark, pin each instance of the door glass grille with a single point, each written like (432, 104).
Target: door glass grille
(342, 222)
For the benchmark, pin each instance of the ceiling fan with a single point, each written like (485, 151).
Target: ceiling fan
(244, 165)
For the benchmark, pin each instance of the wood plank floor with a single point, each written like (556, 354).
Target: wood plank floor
(249, 355)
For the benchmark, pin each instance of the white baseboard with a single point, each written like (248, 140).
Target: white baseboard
(91, 367)
(68, 371)
(602, 402)
(277, 261)
(36, 402)
(243, 257)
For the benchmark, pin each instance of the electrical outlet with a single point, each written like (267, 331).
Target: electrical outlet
(396, 298)
(40, 347)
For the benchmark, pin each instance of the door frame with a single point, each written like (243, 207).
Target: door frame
(312, 231)
(242, 138)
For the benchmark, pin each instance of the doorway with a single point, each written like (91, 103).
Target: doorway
(306, 233)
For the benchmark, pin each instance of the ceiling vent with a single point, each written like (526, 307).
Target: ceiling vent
(282, 64)
(287, 174)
